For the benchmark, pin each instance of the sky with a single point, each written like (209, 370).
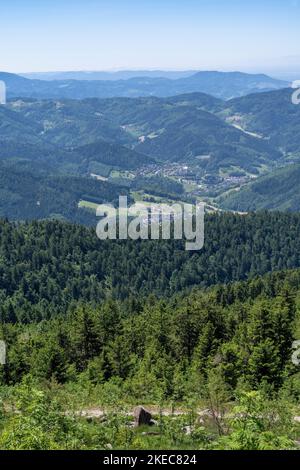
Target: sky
(60, 35)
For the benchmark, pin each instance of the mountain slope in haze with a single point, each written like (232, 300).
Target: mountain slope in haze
(49, 133)
(186, 127)
(69, 123)
(129, 110)
(76, 137)
(27, 194)
(186, 133)
(271, 115)
(279, 190)
(21, 137)
(167, 129)
(227, 85)
(16, 127)
(112, 155)
(223, 85)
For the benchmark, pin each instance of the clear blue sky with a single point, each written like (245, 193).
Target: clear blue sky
(42, 35)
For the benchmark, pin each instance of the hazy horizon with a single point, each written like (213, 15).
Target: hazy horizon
(254, 37)
(286, 75)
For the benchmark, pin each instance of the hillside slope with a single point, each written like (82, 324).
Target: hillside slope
(182, 129)
(271, 115)
(279, 190)
(27, 194)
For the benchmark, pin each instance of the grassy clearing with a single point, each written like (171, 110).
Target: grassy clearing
(88, 205)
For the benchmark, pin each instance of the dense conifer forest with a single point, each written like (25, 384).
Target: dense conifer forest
(48, 265)
(97, 327)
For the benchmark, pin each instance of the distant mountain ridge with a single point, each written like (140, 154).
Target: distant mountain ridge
(106, 75)
(224, 85)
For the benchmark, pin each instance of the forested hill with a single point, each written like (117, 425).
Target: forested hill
(240, 335)
(26, 194)
(272, 116)
(279, 190)
(46, 266)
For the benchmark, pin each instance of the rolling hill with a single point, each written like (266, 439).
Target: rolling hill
(166, 129)
(112, 155)
(271, 115)
(279, 190)
(254, 134)
(64, 136)
(26, 194)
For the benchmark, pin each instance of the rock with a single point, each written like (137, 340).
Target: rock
(205, 418)
(153, 422)
(188, 430)
(142, 417)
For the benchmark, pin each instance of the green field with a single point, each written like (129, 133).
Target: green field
(88, 205)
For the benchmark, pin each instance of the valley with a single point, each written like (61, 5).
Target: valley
(191, 147)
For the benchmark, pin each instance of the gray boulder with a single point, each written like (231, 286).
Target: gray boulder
(142, 417)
